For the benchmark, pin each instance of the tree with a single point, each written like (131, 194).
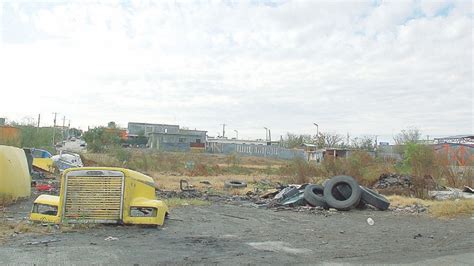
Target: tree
(295, 141)
(326, 139)
(99, 139)
(406, 136)
(363, 143)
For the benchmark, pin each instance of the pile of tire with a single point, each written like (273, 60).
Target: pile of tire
(343, 193)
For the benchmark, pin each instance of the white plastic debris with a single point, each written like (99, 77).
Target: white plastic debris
(370, 221)
(111, 238)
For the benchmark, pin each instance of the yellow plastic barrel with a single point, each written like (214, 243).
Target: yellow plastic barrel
(15, 179)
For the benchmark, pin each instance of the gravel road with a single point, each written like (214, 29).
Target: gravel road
(227, 234)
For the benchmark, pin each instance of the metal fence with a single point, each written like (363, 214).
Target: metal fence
(255, 150)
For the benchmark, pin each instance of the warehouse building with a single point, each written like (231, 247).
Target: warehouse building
(169, 137)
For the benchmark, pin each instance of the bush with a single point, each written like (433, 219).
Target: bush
(360, 165)
(99, 139)
(300, 171)
(123, 155)
(420, 159)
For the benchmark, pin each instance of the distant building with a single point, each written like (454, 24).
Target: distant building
(169, 137)
(459, 139)
(242, 141)
(236, 141)
(144, 129)
(10, 136)
(313, 154)
(121, 133)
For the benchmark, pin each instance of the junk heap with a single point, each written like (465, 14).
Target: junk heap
(341, 193)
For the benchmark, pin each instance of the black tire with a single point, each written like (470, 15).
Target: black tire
(325, 182)
(330, 193)
(375, 199)
(344, 191)
(313, 194)
(234, 184)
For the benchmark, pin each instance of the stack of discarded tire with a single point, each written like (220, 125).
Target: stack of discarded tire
(343, 193)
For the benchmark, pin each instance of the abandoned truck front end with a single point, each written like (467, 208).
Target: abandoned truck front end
(106, 195)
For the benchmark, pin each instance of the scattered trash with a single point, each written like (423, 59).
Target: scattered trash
(452, 193)
(296, 200)
(286, 193)
(468, 189)
(184, 185)
(111, 238)
(44, 187)
(205, 182)
(309, 198)
(393, 180)
(417, 236)
(269, 194)
(370, 221)
(234, 184)
(410, 209)
(42, 242)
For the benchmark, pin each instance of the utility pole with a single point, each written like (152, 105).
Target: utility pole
(317, 129)
(64, 125)
(38, 125)
(69, 129)
(236, 134)
(54, 128)
(269, 136)
(223, 130)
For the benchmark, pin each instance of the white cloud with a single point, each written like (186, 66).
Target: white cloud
(350, 66)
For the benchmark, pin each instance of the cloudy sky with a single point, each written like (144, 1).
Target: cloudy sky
(357, 67)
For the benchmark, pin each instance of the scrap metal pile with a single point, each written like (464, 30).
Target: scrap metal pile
(340, 192)
(393, 180)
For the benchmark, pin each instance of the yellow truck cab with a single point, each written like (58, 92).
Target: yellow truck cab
(102, 195)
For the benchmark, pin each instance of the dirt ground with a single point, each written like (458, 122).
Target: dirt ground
(230, 234)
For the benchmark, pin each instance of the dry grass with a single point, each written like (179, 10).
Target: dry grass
(177, 202)
(7, 229)
(69, 228)
(399, 201)
(255, 166)
(439, 209)
(169, 182)
(452, 208)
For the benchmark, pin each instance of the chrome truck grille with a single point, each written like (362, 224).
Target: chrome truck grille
(93, 196)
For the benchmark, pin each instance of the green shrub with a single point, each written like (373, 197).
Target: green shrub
(299, 171)
(123, 155)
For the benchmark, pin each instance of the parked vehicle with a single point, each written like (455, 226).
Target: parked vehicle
(65, 160)
(42, 160)
(102, 195)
